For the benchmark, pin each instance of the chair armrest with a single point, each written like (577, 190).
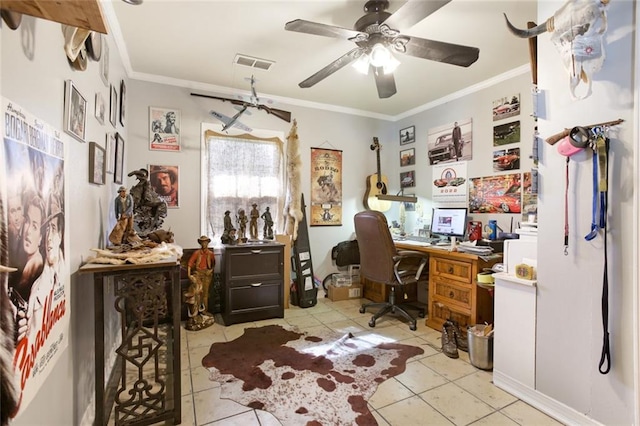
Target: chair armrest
(403, 255)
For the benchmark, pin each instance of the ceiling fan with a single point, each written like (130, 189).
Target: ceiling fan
(242, 104)
(376, 35)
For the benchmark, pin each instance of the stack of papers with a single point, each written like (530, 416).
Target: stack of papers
(471, 247)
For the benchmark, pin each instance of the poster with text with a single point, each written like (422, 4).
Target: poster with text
(496, 194)
(35, 296)
(450, 183)
(164, 129)
(326, 187)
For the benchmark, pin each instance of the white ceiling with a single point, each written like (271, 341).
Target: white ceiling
(194, 42)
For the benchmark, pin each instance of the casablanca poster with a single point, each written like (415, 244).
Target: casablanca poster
(326, 187)
(35, 292)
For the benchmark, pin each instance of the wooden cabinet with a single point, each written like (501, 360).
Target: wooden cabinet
(253, 287)
(453, 292)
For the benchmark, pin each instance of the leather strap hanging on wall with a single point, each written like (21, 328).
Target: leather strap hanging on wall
(602, 148)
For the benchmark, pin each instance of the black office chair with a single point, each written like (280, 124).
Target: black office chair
(381, 262)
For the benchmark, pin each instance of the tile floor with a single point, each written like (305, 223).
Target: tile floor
(434, 390)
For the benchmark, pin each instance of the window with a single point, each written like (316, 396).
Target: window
(237, 172)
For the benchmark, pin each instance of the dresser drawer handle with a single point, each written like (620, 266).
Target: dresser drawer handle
(451, 269)
(257, 251)
(256, 284)
(451, 294)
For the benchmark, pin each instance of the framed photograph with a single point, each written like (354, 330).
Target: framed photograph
(408, 135)
(506, 159)
(164, 129)
(110, 148)
(104, 62)
(407, 179)
(408, 157)
(504, 134)
(97, 159)
(113, 106)
(165, 180)
(75, 111)
(100, 108)
(507, 106)
(118, 172)
(123, 97)
(451, 142)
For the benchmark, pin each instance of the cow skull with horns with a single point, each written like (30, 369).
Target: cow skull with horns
(577, 31)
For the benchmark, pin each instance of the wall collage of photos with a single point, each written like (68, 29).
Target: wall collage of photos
(506, 190)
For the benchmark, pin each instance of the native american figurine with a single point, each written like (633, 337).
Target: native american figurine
(267, 230)
(242, 225)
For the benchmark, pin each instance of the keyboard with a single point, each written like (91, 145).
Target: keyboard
(422, 239)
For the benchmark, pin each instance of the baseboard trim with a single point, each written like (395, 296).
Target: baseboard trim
(542, 402)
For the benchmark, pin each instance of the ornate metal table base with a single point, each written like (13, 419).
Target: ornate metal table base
(145, 383)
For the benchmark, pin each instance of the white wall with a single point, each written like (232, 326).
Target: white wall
(34, 68)
(316, 128)
(569, 335)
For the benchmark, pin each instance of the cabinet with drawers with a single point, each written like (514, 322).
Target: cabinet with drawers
(453, 292)
(253, 287)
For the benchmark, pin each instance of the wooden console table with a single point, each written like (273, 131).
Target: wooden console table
(145, 382)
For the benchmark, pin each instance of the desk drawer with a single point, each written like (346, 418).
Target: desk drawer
(452, 293)
(439, 312)
(451, 269)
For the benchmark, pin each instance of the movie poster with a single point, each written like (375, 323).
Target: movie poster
(164, 129)
(326, 187)
(32, 189)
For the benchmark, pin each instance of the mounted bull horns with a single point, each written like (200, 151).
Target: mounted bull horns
(531, 32)
(579, 11)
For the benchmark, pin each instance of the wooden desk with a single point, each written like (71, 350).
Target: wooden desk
(145, 382)
(453, 290)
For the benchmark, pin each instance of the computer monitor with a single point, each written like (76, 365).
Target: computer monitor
(449, 222)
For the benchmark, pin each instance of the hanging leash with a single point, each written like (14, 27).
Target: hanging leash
(602, 148)
(566, 209)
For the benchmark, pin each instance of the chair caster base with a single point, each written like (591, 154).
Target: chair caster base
(362, 310)
(372, 323)
(421, 313)
(413, 327)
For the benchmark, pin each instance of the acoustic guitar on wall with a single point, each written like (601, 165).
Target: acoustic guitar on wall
(376, 184)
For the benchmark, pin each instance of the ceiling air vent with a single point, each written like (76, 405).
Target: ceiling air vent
(250, 61)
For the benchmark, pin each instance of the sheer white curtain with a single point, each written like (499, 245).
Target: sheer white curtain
(239, 171)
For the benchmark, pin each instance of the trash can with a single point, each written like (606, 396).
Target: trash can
(480, 347)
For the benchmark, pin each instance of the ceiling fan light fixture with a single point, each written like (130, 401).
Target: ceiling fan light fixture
(133, 2)
(362, 64)
(391, 65)
(379, 55)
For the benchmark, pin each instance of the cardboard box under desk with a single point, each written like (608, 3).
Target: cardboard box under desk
(354, 291)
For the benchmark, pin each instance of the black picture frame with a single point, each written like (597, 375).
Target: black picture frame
(408, 135)
(408, 157)
(123, 98)
(113, 106)
(118, 174)
(97, 162)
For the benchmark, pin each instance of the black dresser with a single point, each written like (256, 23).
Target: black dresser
(253, 287)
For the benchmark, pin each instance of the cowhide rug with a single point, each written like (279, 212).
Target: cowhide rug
(302, 379)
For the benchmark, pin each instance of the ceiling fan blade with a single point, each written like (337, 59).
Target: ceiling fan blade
(308, 27)
(440, 51)
(413, 12)
(385, 83)
(334, 66)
